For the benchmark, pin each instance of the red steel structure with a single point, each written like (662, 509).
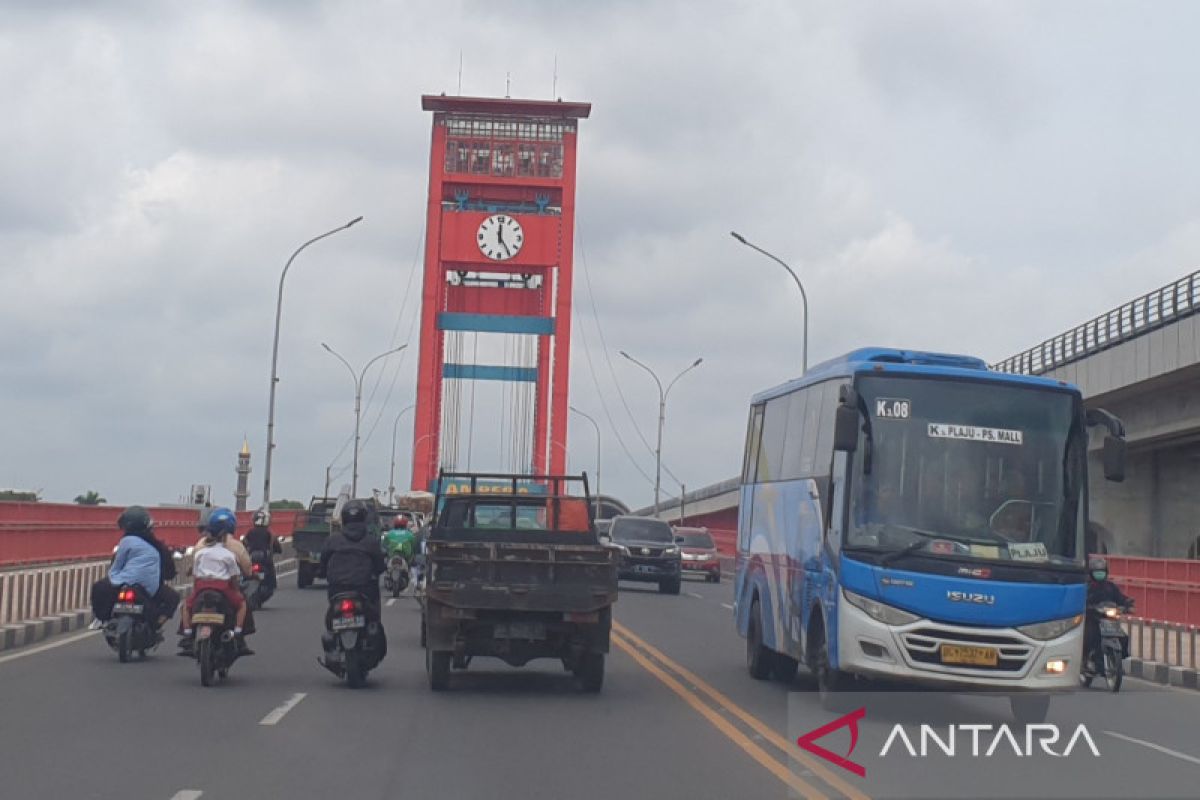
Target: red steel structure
(498, 260)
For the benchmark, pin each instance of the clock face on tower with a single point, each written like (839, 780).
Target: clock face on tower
(500, 237)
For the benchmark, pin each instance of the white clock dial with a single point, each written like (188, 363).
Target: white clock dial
(500, 237)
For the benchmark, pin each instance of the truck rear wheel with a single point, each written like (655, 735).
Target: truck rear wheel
(438, 664)
(591, 671)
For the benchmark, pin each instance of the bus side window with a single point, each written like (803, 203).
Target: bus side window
(753, 440)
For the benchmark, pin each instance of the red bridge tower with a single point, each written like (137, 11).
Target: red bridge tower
(500, 226)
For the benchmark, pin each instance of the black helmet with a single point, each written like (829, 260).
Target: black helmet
(135, 519)
(1097, 563)
(354, 512)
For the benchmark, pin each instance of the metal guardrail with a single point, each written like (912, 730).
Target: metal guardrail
(1169, 643)
(1163, 306)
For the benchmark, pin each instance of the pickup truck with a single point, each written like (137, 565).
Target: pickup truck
(312, 529)
(517, 576)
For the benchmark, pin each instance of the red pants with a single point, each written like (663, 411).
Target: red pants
(232, 595)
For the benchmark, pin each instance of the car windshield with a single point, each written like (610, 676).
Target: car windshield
(641, 530)
(694, 539)
(969, 469)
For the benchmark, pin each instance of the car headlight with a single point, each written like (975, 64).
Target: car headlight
(888, 615)
(670, 551)
(1052, 629)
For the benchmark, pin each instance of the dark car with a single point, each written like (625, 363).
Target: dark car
(699, 553)
(648, 552)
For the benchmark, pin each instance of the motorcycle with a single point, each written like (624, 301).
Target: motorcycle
(395, 578)
(255, 587)
(216, 647)
(131, 627)
(353, 646)
(1107, 658)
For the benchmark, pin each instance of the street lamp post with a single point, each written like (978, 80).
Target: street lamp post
(796, 278)
(589, 418)
(275, 359)
(662, 416)
(358, 382)
(392, 473)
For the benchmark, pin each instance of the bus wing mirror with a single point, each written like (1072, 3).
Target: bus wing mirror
(1114, 459)
(845, 429)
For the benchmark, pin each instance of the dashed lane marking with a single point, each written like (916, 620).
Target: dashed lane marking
(187, 794)
(1165, 750)
(279, 713)
(391, 602)
(727, 605)
(693, 594)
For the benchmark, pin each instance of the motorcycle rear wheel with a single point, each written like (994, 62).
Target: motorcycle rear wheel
(123, 648)
(204, 656)
(356, 675)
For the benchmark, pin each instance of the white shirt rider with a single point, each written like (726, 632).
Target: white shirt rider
(216, 562)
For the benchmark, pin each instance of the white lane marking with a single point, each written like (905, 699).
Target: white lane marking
(41, 648)
(727, 605)
(279, 713)
(693, 594)
(187, 794)
(390, 602)
(1166, 750)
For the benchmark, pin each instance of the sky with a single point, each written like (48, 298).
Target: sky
(959, 176)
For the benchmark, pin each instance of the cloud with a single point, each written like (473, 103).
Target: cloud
(965, 177)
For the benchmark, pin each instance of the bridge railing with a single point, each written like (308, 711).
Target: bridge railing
(1135, 318)
(1164, 642)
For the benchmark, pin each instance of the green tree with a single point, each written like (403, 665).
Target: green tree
(92, 498)
(287, 505)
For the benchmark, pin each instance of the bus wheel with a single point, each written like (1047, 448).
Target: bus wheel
(830, 681)
(1029, 709)
(758, 658)
(784, 668)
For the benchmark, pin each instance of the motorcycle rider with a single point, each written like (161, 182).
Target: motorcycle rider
(352, 561)
(138, 561)
(218, 566)
(399, 538)
(1100, 590)
(260, 539)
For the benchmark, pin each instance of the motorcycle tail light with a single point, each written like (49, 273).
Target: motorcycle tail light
(258, 567)
(126, 596)
(347, 608)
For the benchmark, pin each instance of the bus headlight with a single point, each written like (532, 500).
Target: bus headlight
(888, 615)
(1052, 629)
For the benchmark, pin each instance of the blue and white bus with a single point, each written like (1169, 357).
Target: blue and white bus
(917, 517)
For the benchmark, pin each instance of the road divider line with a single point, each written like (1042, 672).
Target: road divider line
(772, 765)
(727, 605)
(187, 794)
(279, 713)
(751, 721)
(41, 648)
(1164, 750)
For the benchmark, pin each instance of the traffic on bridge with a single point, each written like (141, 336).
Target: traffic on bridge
(587, 521)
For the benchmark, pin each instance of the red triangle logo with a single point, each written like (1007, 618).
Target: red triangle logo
(808, 742)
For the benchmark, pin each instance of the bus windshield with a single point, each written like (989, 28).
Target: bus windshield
(968, 469)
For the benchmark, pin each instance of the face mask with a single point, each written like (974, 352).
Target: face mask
(1099, 575)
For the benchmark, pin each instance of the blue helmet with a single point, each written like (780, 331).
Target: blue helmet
(221, 522)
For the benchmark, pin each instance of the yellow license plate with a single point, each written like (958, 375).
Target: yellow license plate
(208, 616)
(975, 656)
